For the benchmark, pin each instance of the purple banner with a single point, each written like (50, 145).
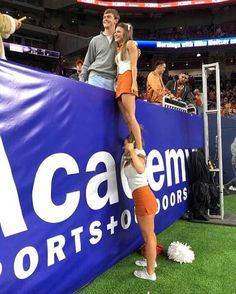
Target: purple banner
(66, 214)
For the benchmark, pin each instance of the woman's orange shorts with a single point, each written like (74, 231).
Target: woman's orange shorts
(144, 201)
(124, 83)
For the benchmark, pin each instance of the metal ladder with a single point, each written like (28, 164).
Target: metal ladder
(206, 68)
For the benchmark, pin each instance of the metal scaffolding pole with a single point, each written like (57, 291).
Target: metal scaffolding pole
(206, 68)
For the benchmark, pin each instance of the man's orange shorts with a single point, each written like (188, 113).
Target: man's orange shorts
(144, 201)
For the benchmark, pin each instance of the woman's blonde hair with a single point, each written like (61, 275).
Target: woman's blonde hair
(130, 138)
(128, 35)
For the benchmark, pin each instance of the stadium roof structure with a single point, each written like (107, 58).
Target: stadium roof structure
(163, 4)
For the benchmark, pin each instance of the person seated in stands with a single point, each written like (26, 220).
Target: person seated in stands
(227, 109)
(180, 89)
(212, 98)
(155, 88)
(233, 105)
(225, 106)
(190, 81)
(232, 183)
(225, 100)
(75, 76)
(198, 100)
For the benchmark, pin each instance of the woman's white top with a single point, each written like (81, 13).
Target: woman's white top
(123, 65)
(135, 180)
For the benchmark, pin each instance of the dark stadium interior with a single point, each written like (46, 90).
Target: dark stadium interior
(68, 26)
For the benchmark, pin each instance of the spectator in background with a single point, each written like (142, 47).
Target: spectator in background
(198, 100)
(156, 89)
(234, 111)
(211, 98)
(212, 95)
(75, 76)
(141, 84)
(190, 81)
(8, 25)
(180, 89)
(232, 183)
(225, 99)
(99, 67)
(227, 109)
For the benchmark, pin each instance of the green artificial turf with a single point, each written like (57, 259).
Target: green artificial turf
(230, 204)
(212, 272)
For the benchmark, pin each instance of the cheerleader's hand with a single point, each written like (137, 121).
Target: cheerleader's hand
(134, 89)
(129, 147)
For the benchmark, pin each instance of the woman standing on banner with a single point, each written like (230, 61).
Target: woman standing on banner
(134, 164)
(127, 87)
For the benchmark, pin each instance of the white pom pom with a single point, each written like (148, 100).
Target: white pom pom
(180, 252)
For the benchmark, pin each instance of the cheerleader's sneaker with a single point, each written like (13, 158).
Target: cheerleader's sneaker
(143, 274)
(143, 262)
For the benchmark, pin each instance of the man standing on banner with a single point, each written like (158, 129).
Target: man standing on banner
(8, 25)
(99, 67)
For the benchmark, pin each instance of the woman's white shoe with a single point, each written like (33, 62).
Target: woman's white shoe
(143, 274)
(143, 262)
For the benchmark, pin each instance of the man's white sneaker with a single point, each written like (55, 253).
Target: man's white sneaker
(143, 262)
(143, 274)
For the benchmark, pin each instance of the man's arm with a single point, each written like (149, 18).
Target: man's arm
(89, 59)
(169, 89)
(169, 85)
(189, 98)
